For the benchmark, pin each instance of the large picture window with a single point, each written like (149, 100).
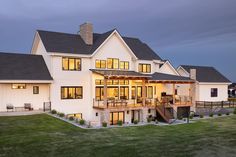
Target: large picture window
(100, 64)
(19, 86)
(71, 64)
(72, 92)
(145, 68)
(112, 63)
(214, 92)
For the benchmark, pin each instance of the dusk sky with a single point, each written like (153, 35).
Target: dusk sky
(197, 32)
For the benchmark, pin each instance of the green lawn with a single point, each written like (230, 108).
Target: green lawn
(42, 135)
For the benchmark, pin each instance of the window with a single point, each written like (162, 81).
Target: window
(99, 93)
(133, 92)
(75, 115)
(124, 82)
(35, 89)
(124, 93)
(149, 92)
(112, 63)
(214, 92)
(124, 65)
(72, 64)
(145, 68)
(71, 92)
(101, 64)
(18, 86)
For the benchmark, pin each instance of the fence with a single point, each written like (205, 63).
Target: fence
(214, 104)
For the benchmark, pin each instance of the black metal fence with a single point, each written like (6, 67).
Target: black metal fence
(214, 104)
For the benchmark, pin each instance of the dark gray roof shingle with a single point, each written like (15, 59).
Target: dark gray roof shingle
(206, 74)
(23, 67)
(167, 77)
(73, 43)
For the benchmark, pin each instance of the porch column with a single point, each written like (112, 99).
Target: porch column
(173, 93)
(193, 88)
(143, 92)
(105, 93)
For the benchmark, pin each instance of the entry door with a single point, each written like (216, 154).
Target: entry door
(115, 116)
(135, 115)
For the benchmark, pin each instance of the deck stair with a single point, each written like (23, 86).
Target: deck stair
(167, 112)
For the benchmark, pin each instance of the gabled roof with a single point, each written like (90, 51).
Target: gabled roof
(207, 74)
(23, 67)
(74, 44)
(167, 77)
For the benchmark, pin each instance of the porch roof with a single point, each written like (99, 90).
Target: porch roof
(120, 74)
(167, 78)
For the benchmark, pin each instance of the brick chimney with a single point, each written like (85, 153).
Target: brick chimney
(193, 74)
(86, 33)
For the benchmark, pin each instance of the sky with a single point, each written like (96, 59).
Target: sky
(196, 32)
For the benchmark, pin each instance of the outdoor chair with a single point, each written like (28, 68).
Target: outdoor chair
(10, 107)
(27, 106)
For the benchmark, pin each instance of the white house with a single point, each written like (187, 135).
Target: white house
(99, 77)
(211, 85)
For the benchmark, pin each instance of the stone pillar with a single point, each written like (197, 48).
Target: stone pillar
(105, 116)
(192, 91)
(144, 114)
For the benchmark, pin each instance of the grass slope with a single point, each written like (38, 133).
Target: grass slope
(42, 136)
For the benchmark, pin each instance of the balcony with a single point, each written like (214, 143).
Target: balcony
(138, 103)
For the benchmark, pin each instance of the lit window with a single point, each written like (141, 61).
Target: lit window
(124, 92)
(149, 92)
(112, 63)
(124, 82)
(72, 64)
(75, 115)
(214, 92)
(71, 92)
(124, 65)
(18, 86)
(35, 89)
(145, 68)
(101, 64)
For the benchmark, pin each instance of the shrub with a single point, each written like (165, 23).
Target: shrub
(219, 114)
(71, 118)
(149, 119)
(201, 116)
(119, 122)
(211, 115)
(235, 111)
(191, 117)
(180, 117)
(135, 121)
(104, 124)
(82, 122)
(61, 115)
(53, 112)
(227, 113)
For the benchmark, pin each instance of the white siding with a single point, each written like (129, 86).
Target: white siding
(205, 92)
(17, 97)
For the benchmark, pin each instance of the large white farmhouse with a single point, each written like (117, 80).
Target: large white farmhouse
(103, 78)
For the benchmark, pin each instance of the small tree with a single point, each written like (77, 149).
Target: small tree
(104, 124)
(120, 122)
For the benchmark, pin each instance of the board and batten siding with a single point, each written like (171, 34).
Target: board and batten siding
(17, 97)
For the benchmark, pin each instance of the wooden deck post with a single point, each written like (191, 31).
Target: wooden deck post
(105, 93)
(143, 92)
(173, 93)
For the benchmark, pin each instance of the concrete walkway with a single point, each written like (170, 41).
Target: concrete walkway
(22, 113)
